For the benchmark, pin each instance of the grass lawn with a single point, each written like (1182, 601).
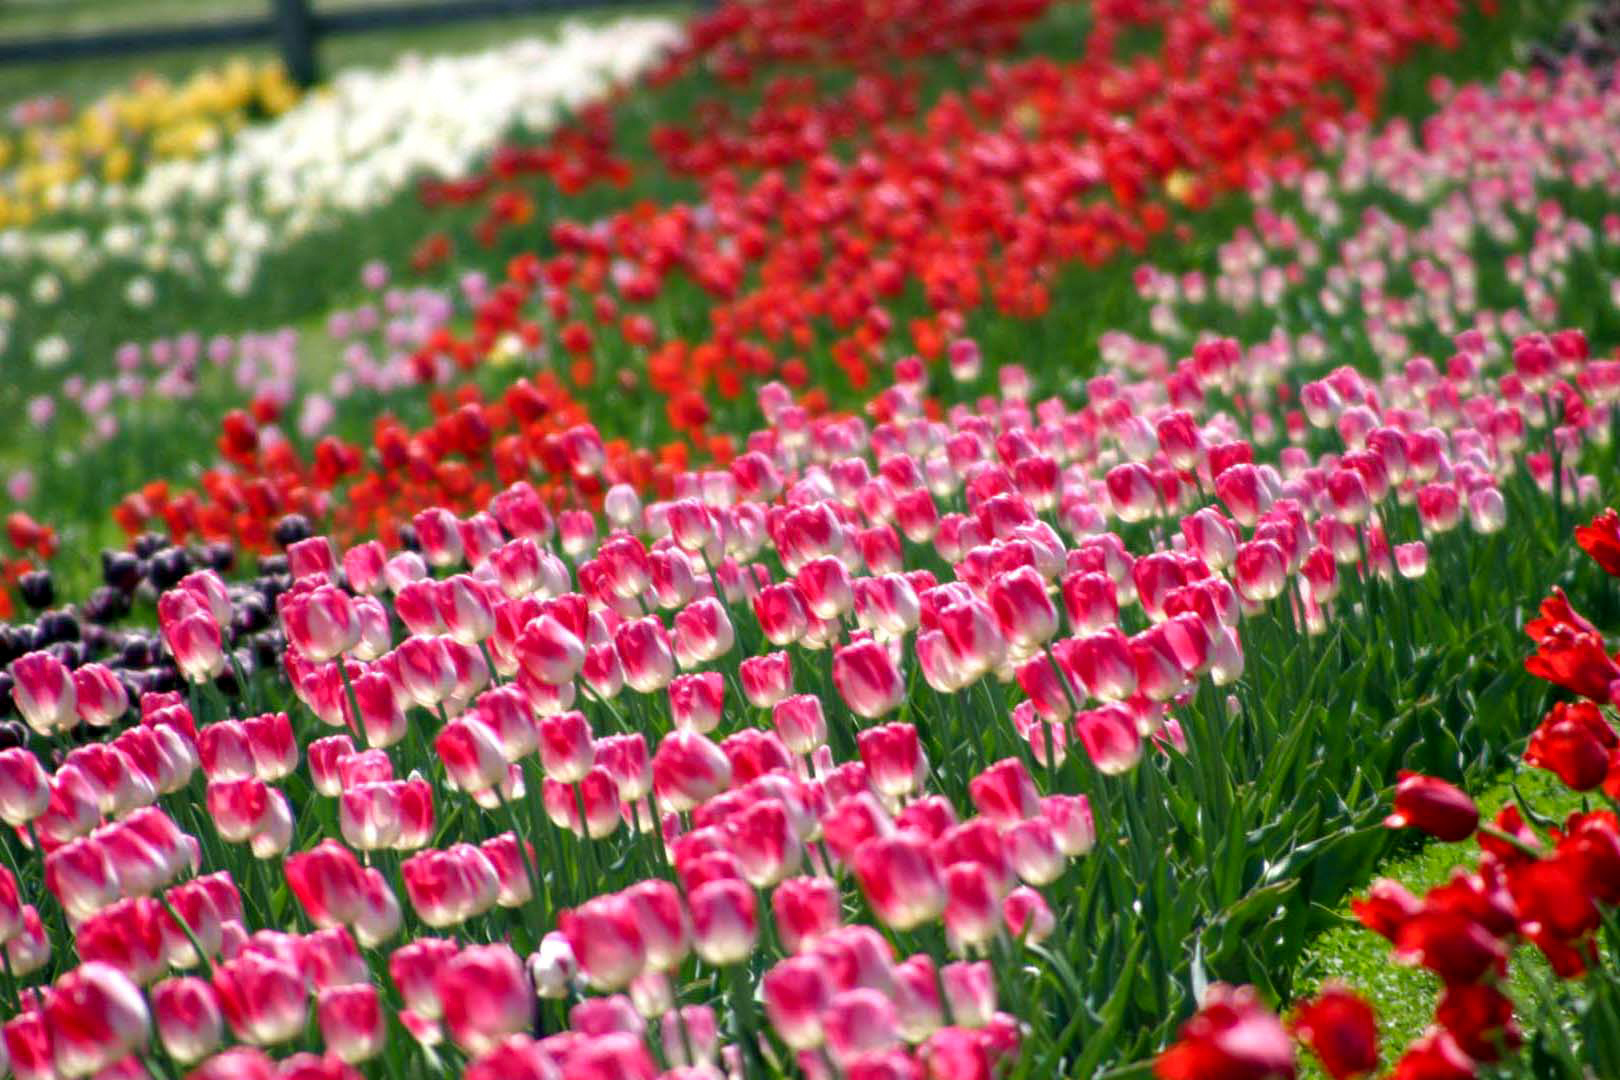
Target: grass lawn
(1405, 997)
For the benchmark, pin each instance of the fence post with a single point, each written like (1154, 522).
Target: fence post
(295, 34)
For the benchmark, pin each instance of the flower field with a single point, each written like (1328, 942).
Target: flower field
(819, 540)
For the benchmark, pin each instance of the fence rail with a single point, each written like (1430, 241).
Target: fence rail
(293, 26)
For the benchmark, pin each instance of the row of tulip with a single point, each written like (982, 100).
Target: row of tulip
(619, 321)
(196, 235)
(53, 153)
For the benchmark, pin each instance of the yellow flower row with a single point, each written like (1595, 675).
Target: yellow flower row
(115, 137)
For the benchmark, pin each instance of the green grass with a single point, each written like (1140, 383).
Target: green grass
(84, 80)
(1404, 998)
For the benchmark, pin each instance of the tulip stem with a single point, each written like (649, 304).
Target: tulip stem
(354, 702)
(523, 852)
(13, 996)
(489, 661)
(743, 1014)
(587, 852)
(185, 928)
(1512, 841)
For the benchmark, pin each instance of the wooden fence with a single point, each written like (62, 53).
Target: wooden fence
(294, 27)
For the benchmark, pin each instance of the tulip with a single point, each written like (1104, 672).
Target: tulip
(1005, 793)
(363, 566)
(448, 887)
(567, 750)
(485, 996)
(900, 880)
(1027, 915)
(782, 612)
(426, 670)
(44, 693)
(703, 632)
(95, 1016)
(321, 623)
(697, 702)
(1436, 807)
(687, 769)
(1341, 1030)
(1111, 740)
(645, 654)
(1023, 611)
(25, 789)
(971, 915)
(724, 923)
(867, 679)
(805, 910)
(188, 1019)
(766, 680)
(894, 758)
(549, 651)
(857, 1023)
(263, 999)
(606, 940)
(99, 697)
(471, 755)
(327, 882)
(351, 1021)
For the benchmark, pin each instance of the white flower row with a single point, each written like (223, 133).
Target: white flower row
(345, 150)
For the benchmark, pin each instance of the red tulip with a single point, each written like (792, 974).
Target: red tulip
(1575, 742)
(1341, 1030)
(1451, 945)
(1435, 1056)
(1438, 808)
(1232, 1036)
